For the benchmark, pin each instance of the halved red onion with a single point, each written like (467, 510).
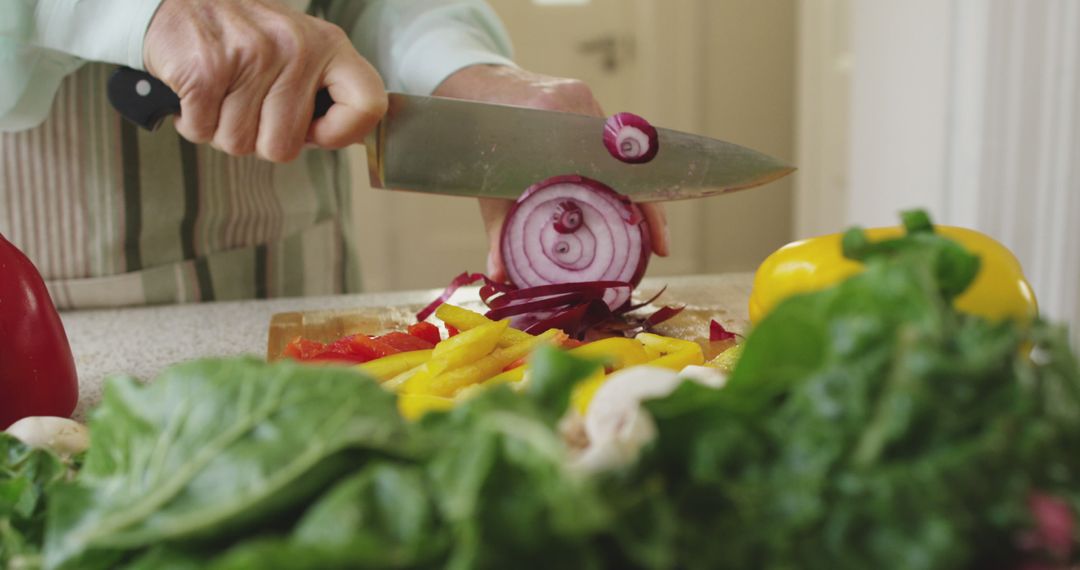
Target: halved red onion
(571, 229)
(630, 138)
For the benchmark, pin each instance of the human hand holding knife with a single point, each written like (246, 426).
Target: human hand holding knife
(246, 74)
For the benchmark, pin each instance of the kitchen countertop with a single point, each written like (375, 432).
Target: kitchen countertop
(143, 341)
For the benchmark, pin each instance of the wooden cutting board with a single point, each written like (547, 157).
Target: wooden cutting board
(705, 299)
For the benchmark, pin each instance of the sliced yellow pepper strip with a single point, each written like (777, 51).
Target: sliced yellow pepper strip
(726, 361)
(413, 406)
(680, 359)
(619, 352)
(464, 319)
(450, 381)
(677, 353)
(455, 352)
(396, 383)
(387, 367)
(511, 376)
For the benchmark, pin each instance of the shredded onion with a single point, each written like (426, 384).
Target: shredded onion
(571, 229)
(718, 332)
(630, 138)
(574, 250)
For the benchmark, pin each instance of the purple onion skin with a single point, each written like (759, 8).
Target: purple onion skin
(621, 138)
(629, 267)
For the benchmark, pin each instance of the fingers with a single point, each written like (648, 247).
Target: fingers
(238, 124)
(247, 72)
(359, 102)
(285, 118)
(493, 211)
(201, 112)
(656, 217)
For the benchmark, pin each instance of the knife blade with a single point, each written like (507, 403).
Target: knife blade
(466, 148)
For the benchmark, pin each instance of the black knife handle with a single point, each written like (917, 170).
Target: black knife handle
(144, 100)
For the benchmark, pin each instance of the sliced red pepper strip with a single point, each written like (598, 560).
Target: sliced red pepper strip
(404, 342)
(303, 349)
(425, 331)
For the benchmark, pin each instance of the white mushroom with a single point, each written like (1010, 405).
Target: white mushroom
(59, 435)
(617, 426)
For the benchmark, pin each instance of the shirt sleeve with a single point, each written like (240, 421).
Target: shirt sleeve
(416, 44)
(41, 41)
(111, 31)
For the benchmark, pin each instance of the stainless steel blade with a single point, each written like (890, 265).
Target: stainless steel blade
(450, 146)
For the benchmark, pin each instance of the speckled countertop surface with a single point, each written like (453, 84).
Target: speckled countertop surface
(143, 341)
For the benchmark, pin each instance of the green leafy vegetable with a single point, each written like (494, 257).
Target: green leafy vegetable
(870, 426)
(25, 475)
(213, 448)
(865, 426)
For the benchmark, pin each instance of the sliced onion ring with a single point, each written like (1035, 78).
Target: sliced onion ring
(611, 243)
(630, 138)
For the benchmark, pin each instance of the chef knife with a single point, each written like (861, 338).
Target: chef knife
(466, 148)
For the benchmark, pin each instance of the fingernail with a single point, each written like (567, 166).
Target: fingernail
(667, 241)
(490, 263)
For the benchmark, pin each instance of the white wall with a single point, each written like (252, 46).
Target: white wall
(969, 108)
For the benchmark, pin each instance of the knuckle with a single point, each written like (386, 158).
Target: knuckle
(196, 129)
(279, 150)
(289, 40)
(234, 143)
(331, 32)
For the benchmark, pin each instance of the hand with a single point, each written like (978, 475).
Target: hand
(513, 86)
(247, 72)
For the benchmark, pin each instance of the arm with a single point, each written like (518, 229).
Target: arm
(41, 41)
(459, 48)
(513, 86)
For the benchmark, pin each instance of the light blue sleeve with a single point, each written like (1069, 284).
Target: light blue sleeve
(41, 41)
(416, 44)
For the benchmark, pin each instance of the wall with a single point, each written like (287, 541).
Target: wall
(748, 73)
(968, 108)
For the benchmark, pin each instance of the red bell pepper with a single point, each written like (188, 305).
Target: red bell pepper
(426, 331)
(405, 342)
(37, 370)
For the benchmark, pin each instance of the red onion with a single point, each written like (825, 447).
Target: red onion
(717, 332)
(630, 138)
(570, 229)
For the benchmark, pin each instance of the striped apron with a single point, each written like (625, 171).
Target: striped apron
(114, 216)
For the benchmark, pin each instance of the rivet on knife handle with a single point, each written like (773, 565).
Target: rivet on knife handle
(144, 100)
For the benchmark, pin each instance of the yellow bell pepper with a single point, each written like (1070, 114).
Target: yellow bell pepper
(999, 290)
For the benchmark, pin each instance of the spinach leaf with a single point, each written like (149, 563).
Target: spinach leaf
(869, 425)
(212, 449)
(26, 474)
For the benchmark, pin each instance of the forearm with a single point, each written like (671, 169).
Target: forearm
(416, 44)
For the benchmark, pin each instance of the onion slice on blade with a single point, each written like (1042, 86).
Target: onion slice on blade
(630, 138)
(571, 229)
